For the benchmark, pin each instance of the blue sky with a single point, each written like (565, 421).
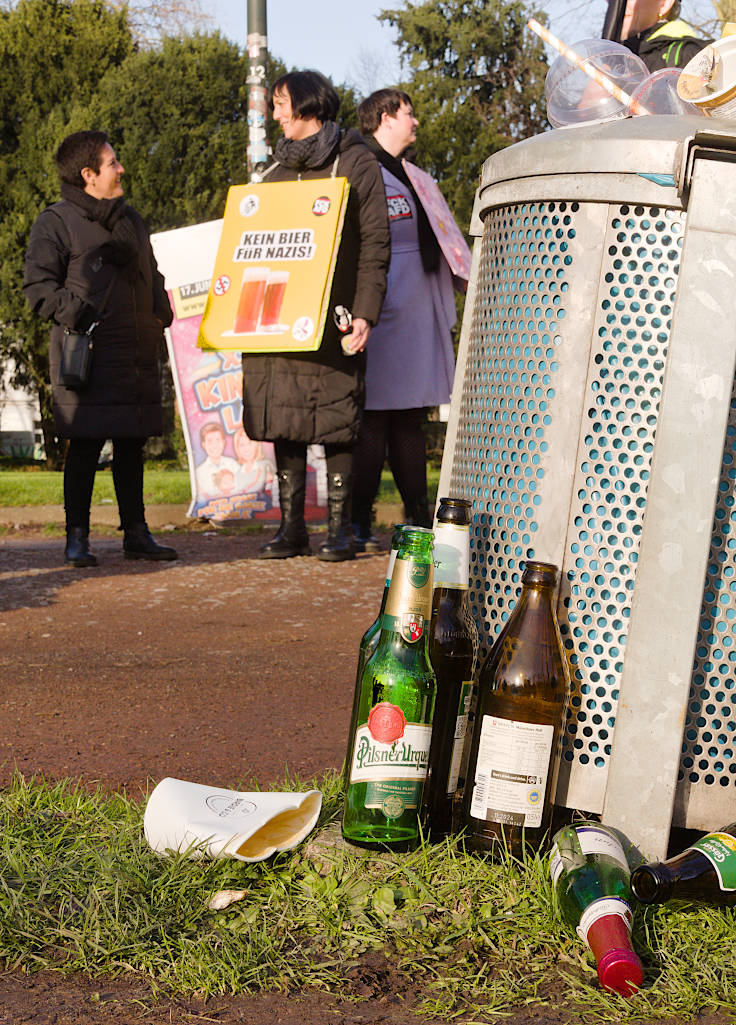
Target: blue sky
(341, 38)
(344, 39)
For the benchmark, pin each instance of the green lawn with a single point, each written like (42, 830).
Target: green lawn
(45, 487)
(81, 890)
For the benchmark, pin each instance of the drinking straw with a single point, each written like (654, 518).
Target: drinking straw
(590, 70)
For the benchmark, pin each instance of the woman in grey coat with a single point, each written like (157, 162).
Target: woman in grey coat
(89, 262)
(411, 362)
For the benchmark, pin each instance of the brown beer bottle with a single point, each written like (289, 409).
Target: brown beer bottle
(522, 698)
(453, 649)
(704, 872)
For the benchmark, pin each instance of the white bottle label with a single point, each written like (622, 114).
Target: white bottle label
(403, 758)
(600, 908)
(511, 771)
(592, 840)
(451, 556)
(390, 568)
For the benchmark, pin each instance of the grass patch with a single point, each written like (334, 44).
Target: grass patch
(46, 487)
(160, 487)
(80, 890)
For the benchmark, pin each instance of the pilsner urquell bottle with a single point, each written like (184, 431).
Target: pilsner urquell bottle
(522, 697)
(369, 640)
(590, 875)
(392, 722)
(453, 649)
(369, 643)
(706, 872)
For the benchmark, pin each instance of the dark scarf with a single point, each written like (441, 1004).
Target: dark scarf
(429, 247)
(112, 214)
(311, 153)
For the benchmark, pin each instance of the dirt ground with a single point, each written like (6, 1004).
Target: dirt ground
(216, 668)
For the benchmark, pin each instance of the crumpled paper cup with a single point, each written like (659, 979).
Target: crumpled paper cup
(211, 822)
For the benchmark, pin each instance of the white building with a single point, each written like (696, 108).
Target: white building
(20, 420)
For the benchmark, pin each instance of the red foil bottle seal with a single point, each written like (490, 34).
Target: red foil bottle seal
(619, 968)
(386, 722)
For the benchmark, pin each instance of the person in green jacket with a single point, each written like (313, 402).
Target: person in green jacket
(652, 30)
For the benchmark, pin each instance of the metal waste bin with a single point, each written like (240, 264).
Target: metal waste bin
(593, 425)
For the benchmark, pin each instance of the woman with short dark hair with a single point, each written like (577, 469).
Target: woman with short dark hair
(89, 262)
(295, 399)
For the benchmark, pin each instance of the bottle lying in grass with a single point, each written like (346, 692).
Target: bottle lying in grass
(706, 872)
(590, 875)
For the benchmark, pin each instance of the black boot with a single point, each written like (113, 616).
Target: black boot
(363, 539)
(77, 551)
(139, 544)
(339, 544)
(292, 537)
(417, 513)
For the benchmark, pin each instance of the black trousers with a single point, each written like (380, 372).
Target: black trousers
(127, 475)
(398, 434)
(292, 455)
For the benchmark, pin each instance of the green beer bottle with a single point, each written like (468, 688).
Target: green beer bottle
(369, 640)
(590, 875)
(392, 720)
(369, 643)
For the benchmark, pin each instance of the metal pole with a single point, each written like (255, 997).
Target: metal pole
(614, 20)
(258, 148)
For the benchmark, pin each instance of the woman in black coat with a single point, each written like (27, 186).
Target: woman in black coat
(89, 262)
(317, 397)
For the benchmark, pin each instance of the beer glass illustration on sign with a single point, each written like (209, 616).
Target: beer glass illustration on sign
(259, 304)
(274, 297)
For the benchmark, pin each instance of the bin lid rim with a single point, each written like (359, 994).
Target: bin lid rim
(632, 145)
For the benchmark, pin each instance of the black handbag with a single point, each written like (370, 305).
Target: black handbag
(76, 359)
(76, 353)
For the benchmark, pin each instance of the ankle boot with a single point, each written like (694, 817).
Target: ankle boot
(339, 544)
(139, 544)
(292, 537)
(417, 512)
(363, 539)
(77, 551)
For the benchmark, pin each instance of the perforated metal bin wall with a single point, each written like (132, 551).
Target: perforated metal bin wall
(593, 425)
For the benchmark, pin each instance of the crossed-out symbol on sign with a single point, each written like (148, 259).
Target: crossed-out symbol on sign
(221, 285)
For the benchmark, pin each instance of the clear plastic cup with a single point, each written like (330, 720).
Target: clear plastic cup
(658, 95)
(574, 97)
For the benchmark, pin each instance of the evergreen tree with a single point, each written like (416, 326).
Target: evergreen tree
(53, 54)
(477, 84)
(177, 117)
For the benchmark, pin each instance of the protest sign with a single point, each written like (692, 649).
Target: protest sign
(275, 262)
(232, 477)
(449, 236)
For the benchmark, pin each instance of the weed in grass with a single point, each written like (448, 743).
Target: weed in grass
(80, 889)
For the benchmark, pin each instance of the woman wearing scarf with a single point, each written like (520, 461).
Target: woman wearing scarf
(89, 262)
(298, 399)
(411, 362)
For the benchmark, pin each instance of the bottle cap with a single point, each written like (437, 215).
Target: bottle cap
(454, 510)
(619, 968)
(621, 971)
